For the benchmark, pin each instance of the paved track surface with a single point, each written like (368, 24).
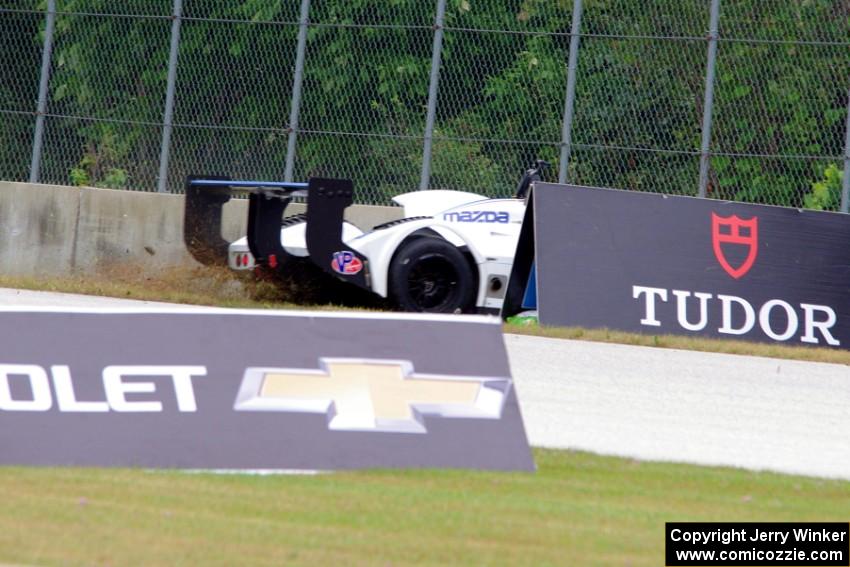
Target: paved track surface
(672, 405)
(20, 297)
(657, 404)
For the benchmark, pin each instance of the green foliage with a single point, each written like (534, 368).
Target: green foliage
(826, 193)
(112, 178)
(19, 66)
(638, 108)
(100, 165)
(467, 165)
(79, 175)
(779, 98)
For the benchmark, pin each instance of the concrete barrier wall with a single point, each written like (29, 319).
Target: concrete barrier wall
(55, 230)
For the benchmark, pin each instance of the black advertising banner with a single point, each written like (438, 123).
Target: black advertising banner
(669, 264)
(231, 389)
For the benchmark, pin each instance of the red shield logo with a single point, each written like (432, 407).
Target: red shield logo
(735, 230)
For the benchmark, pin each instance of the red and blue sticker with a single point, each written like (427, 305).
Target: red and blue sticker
(346, 262)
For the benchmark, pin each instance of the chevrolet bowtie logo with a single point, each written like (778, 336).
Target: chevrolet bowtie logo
(373, 395)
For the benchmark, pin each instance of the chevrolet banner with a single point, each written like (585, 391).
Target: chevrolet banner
(235, 389)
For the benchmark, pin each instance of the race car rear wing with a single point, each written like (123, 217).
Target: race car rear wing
(327, 200)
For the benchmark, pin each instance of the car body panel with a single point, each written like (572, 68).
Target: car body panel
(486, 229)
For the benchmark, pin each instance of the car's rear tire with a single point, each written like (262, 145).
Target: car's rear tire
(431, 275)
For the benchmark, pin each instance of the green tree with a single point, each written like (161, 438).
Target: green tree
(638, 109)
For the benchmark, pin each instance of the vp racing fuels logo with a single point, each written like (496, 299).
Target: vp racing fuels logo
(371, 395)
(347, 263)
(501, 217)
(739, 232)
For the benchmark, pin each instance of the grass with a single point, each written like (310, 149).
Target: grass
(224, 288)
(578, 509)
(703, 344)
(196, 286)
(202, 285)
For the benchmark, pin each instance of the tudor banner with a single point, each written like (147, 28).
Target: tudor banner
(231, 389)
(670, 264)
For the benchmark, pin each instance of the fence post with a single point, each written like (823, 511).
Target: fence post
(569, 102)
(168, 119)
(46, 54)
(708, 102)
(436, 57)
(845, 185)
(295, 109)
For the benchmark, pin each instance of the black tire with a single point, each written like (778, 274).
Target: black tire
(430, 275)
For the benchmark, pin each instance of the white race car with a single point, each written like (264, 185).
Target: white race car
(451, 253)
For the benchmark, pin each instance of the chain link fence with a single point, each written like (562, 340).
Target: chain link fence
(731, 99)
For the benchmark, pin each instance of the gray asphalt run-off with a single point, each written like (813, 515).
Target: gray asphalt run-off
(655, 404)
(695, 407)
